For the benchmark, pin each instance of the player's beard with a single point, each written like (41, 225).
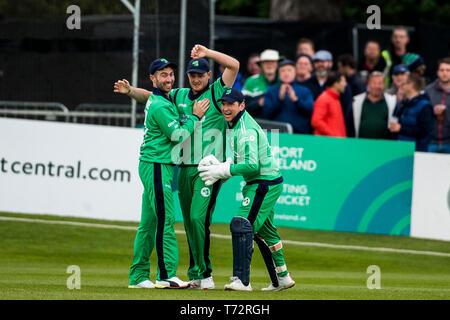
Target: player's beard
(165, 86)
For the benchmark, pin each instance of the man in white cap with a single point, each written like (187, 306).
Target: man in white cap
(256, 86)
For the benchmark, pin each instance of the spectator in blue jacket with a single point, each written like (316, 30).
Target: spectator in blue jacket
(289, 101)
(415, 114)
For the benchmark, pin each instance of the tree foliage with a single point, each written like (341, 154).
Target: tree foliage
(55, 8)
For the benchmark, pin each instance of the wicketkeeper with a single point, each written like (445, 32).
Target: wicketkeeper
(252, 159)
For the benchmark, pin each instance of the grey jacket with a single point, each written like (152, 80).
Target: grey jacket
(441, 128)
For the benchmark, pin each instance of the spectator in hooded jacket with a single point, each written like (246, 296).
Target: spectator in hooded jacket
(289, 102)
(415, 114)
(439, 94)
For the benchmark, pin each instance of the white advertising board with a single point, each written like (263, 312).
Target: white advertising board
(430, 216)
(70, 169)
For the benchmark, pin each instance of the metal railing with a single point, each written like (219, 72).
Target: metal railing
(283, 127)
(107, 114)
(87, 113)
(50, 111)
(94, 113)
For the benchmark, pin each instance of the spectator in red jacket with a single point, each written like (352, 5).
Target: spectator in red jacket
(328, 118)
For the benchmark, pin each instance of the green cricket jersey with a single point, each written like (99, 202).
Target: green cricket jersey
(163, 129)
(252, 156)
(209, 134)
(257, 85)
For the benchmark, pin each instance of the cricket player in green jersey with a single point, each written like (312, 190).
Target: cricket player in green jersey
(252, 159)
(156, 170)
(197, 200)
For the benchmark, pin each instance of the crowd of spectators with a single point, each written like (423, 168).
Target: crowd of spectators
(383, 96)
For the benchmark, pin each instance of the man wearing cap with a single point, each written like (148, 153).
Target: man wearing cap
(323, 62)
(399, 76)
(156, 170)
(256, 86)
(289, 102)
(253, 160)
(197, 201)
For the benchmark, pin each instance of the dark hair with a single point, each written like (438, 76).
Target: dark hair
(443, 60)
(306, 56)
(347, 60)
(305, 40)
(252, 55)
(332, 78)
(374, 41)
(401, 28)
(417, 81)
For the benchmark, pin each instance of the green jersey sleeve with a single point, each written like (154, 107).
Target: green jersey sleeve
(167, 119)
(245, 154)
(218, 88)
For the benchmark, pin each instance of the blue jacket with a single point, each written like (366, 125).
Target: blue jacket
(416, 119)
(298, 114)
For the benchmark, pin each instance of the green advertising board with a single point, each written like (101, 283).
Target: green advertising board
(340, 184)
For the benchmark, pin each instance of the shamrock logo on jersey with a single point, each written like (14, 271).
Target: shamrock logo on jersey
(205, 192)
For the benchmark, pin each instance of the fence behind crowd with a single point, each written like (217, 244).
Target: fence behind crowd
(41, 60)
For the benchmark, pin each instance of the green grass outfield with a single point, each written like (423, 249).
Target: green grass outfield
(34, 257)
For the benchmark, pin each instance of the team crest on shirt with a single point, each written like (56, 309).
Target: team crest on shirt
(246, 201)
(205, 192)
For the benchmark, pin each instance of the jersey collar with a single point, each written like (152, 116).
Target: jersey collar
(193, 96)
(158, 92)
(236, 119)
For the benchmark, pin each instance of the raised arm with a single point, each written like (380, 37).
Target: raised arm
(138, 94)
(231, 64)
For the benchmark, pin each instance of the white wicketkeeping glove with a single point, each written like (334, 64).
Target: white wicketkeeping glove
(210, 174)
(208, 160)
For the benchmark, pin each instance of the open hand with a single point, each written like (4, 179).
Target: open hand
(122, 86)
(200, 107)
